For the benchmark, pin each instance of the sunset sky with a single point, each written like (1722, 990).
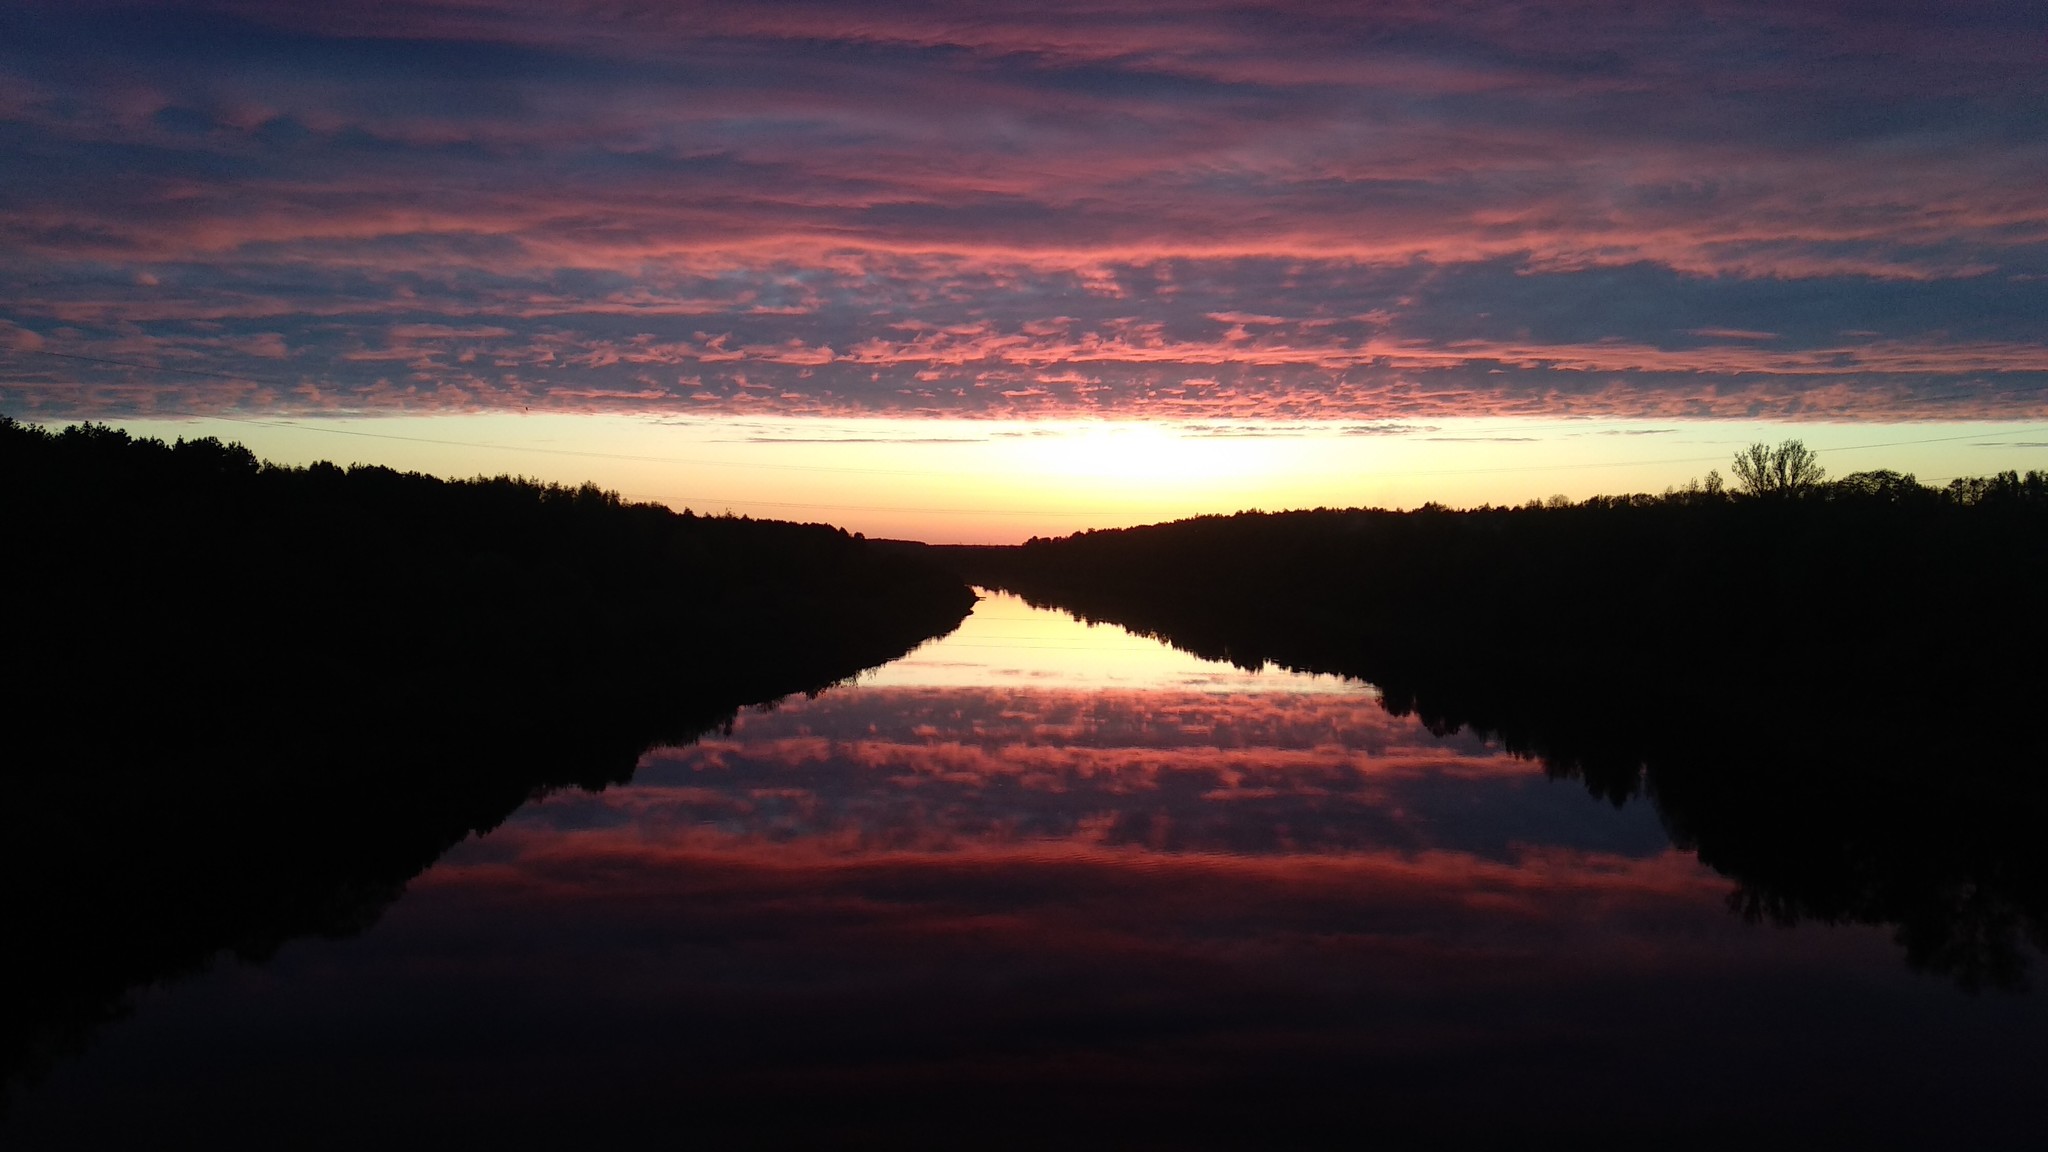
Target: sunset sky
(974, 272)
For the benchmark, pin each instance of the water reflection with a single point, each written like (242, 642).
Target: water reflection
(1007, 643)
(1029, 731)
(1165, 771)
(1041, 882)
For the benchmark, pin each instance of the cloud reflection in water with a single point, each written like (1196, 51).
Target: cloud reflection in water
(1081, 890)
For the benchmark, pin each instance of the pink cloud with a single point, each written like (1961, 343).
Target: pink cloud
(1070, 209)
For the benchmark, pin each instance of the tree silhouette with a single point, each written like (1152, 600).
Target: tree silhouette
(1549, 628)
(196, 779)
(1787, 470)
(1883, 486)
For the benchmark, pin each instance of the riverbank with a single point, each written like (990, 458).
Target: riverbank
(1829, 700)
(259, 700)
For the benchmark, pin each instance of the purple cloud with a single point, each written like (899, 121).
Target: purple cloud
(1235, 211)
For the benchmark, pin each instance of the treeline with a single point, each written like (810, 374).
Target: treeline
(252, 701)
(1792, 471)
(1874, 567)
(1828, 689)
(138, 559)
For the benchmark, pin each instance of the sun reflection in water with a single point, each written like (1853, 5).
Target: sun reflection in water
(1008, 642)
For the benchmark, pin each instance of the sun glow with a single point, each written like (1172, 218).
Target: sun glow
(1001, 481)
(1137, 454)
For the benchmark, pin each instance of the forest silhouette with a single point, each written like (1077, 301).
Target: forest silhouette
(1827, 688)
(256, 700)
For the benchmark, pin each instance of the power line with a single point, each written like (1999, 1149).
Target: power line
(1707, 459)
(237, 377)
(695, 502)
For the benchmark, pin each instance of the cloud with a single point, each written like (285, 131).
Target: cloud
(17, 338)
(1231, 211)
(864, 440)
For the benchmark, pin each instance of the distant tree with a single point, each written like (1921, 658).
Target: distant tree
(1882, 486)
(1713, 490)
(2006, 489)
(207, 456)
(1787, 470)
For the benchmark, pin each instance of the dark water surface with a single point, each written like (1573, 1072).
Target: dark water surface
(1045, 884)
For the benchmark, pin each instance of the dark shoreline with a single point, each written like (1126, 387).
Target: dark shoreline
(1831, 701)
(263, 699)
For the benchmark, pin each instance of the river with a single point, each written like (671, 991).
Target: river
(1045, 883)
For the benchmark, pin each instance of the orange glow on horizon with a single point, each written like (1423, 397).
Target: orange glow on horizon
(986, 481)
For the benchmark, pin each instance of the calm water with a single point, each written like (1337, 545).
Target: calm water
(1041, 883)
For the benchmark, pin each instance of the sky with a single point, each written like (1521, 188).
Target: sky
(959, 271)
